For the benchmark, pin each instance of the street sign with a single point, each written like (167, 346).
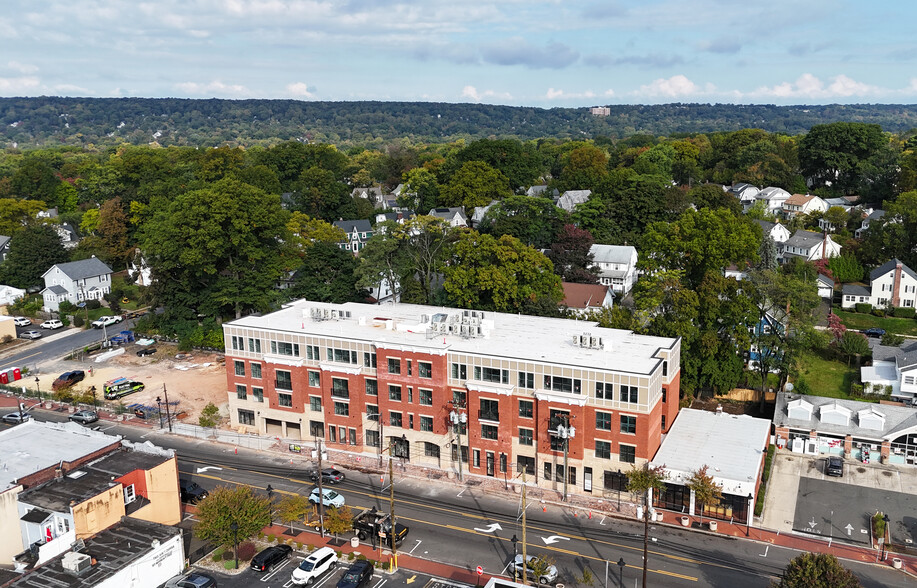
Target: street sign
(480, 571)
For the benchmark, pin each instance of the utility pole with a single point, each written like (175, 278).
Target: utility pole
(566, 432)
(321, 493)
(458, 420)
(525, 560)
(391, 503)
(168, 416)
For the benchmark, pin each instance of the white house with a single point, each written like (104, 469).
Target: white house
(617, 266)
(541, 191)
(803, 204)
(4, 247)
(455, 215)
(779, 233)
(68, 235)
(76, 281)
(9, 295)
(871, 215)
(746, 194)
(825, 286)
(775, 197)
(586, 298)
(891, 285)
(478, 215)
(810, 246)
(570, 199)
(898, 371)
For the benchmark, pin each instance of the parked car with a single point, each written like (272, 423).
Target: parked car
(329, 476)
(358, 575)
(315, 566)
(190, 492)
(84, 416)
(146, 351)
(30, 334)
(67, 379)
(107, 321)
(537, 568)
(270, 557)
(52, 324)
(21, 321)
(192, 580)
(834, 466)
(874, 332)
(329, 498)
(16, 417)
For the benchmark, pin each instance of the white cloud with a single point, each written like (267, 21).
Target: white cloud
(609, 92)
(810, 86)
(18, 85)
(472, 93)
(672, 87)
(71, 89)
(553, 94)
(23, 68)
(213, 88)
(299, 89)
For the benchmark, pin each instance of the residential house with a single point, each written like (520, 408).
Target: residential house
(358, 234)
(586, 298)
(68, 235)
(746, 194)
(776, 231)
(373, 194)
(891, 285)
(773, 322)
(894, 369)
(541, 191)
(810, 246)
(455, 215)
(393, 216)
(9, 295)
(774, 198)
(570, 199)
(617, 266)
(76, 281)
(817, 425)
(871, 215)
(853, 294)
(825, 287)
(799, 204)
(478, 215)
(4, 247)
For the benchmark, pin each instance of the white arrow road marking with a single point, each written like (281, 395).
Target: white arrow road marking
(849, 529)
(490, 528)
(553, 539)
(207, 468)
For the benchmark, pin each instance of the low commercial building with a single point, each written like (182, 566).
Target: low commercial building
(489, 390)
(733, 448)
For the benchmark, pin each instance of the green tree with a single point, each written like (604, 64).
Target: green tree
(327, 274)
(319, 194)
(292, 508)
(113, 232)
(853, 344)
(816, 570)
(642, 481)
(474, 184)
(35, 180)
(210, 416)
(499, 274)
(225, 506)
(846, 268)
(518, 163)
(430, 241)
(15, 214)
(707, 492)
(32, 251)
(894, 235)
(420, 191)
(385, 259)
(712, 196)
(584, 168)
(534, 221)
(832, 153)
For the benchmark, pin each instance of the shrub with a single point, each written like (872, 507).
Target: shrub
(270, 538)
(892, 340)
(78, 321)
(350, 556)
(298, 546)
(902, 312)
(879, 312)
(219, 551)
(863, 307)
(217, 557)
(802, 387)
(229, 564)
(93, 304)
(246, 551)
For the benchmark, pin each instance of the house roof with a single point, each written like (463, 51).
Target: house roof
(577, 196)
(36, 515)
(767, 226)
(876, 214)
(4, 240)
(584, 295)
(890, 266)
(55, 289)
(897, 419)
(449, 213)
(602, 253)
(771, 192)
(805, 239)
(821, 278)
(360, 225)
(84, 268)
(908, 356)
(855, 290)
(799, 199)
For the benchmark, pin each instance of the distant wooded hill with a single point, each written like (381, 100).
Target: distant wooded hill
(50, 121)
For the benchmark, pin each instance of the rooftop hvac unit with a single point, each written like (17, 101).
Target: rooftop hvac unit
(424, 318)
(465, 330)
(593, 341)
(345, 313)
(326, 312)
(478, 331)
(76, 563)
(334, 315)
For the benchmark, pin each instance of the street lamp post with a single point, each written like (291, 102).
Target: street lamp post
(619, 489)
(381, 436)
(459, 418)
(882, 539)
(748, 516)
(514, 540)
(234, 526)
(270, 507)
(621, 565)
(566, 432)
(159, 405)
(38, 387)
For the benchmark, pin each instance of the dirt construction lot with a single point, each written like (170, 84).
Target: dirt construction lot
(193, 381)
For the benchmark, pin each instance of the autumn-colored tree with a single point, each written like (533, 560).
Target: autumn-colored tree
(113, 232)
(293, 508)
(706, 490)
(225, 506)
(641, 481)
(338, 520)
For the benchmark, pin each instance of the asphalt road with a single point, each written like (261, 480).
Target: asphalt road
(55, 344)
(468, 528)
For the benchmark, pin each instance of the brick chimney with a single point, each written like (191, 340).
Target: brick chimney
(896, 286)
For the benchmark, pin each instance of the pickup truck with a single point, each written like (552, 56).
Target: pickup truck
(107, 321)
(372, 523)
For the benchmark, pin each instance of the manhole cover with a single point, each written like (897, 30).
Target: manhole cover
(861, 469)
(887, 473)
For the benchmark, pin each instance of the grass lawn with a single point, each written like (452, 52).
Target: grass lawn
(899, 326)
(826, 376)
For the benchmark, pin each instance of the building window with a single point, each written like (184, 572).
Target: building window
(394, 365)
(246, 417)
(259, 394)
(663, 394)
(559, 384)
(285, 399)
(603, 450)
(615, 481)
(426, 397)
(372, 438)
(372, 412)
(372, 388)
(394, 419)
(129, 494)
(315, 403)
(317, 429)
(240, 368)
(237, 342)
(527, 380)
(486, 374)
(241, 392)
(394, 393)
(332, 434)
(409, 367)
(410, 421)
(431, 449)
(628, 424)
(547, 470)
(665, 368)
(256, 370)
(490, 410)
(281, 348)
(315, 379)
(312, 353)
(341, 409)
(459, 371)
(477, 458)
(603, 391)
(526, 437)
(410, 395)
(352, 433)
(663, 423)
(503, 462)
(426, 424)
(629, 394)
(525, 464)
(459, 397)
(254, 345)
(628, 453)
(603, 421)
(455, 453)
(489, 432)
(340, 388)
(526, 409)
(341, 355)
(283, 380)
(424, 369)
(369, 360)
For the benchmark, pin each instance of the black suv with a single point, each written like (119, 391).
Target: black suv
(329, 476)
(834, 466)
(270, 557)
(359, 575)
(190, 492)
(68, 379)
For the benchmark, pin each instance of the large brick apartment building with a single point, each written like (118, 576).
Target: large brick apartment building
(366, 377)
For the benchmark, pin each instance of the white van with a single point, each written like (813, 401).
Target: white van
(312, 568)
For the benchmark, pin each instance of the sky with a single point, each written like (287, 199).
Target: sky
(542, 53)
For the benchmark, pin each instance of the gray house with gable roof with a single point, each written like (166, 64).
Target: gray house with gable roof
(76, 281)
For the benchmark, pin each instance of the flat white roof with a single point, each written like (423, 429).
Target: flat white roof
(33, 445)
(732, 446)
(521, 337)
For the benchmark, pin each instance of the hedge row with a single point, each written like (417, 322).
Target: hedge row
(762, 491)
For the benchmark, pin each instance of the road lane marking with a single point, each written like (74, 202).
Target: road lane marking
(490, 528)
(766, 547)
(552, 539)
(415, 547)
(208, 468)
